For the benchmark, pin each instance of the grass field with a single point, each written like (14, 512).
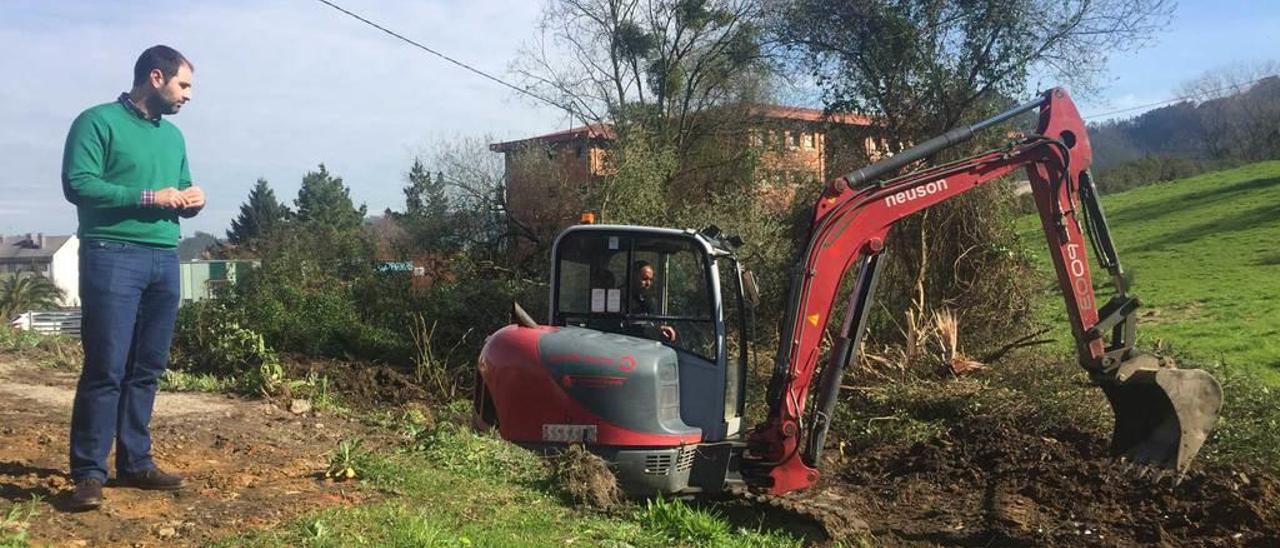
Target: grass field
(1204, 257)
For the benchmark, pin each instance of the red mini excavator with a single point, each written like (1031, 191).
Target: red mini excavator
(640, 361)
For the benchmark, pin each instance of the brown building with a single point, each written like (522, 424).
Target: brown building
(547, 174)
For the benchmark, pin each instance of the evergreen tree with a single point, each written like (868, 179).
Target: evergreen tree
(427, 220)
(261, 215)
(425, 197)
(325, 200)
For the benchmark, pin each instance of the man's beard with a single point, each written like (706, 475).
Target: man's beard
(157, 106)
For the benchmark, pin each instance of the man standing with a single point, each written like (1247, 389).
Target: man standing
(125, 169)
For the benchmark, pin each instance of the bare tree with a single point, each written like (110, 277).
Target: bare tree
(1238, 110)
(658, 63)
(1229, 80)
(479, 193)
(923, 66)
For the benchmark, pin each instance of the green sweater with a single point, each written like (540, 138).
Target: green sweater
(113, 155)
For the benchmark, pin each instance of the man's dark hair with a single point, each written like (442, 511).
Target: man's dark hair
(641, 264)
(165, 58)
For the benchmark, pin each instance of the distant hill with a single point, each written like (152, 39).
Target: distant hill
(1188, 138)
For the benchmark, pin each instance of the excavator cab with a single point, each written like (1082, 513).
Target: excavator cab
(663, 286)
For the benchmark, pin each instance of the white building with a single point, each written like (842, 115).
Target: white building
(54, 257)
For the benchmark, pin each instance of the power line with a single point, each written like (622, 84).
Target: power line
(1177, 99)
(470, 68)
(558, 105)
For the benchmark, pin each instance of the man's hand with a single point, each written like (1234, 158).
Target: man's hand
(668, 332)
(171, 198)
(194, 196)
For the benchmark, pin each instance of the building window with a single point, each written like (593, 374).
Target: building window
(795, 139)
(577, 151)
(808, 140)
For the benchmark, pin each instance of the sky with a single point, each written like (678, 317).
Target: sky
(283, 85)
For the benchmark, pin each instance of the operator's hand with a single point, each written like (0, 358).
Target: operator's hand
(668, 332)
(194, 196)
(170, 198)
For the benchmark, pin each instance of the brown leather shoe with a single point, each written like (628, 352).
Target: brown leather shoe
(152, 480)
(87, 496)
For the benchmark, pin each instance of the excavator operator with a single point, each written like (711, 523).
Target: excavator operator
(641, 298)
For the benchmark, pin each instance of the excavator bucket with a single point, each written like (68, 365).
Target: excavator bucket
(1163, 414)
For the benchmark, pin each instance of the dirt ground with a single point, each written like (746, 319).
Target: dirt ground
(249, 464)
(982, 485)
(252, 464)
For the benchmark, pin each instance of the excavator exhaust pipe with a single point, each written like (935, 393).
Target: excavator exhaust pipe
(1163, 414)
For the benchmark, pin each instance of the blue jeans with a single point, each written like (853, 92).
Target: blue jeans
(129, 297)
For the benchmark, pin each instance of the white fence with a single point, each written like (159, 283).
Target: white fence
(55, 322)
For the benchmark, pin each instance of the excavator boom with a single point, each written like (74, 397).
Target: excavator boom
(1163, 414)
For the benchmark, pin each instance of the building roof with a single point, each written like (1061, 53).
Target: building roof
(783, 112)
(23, 248)
(605, 132)
(591, 132)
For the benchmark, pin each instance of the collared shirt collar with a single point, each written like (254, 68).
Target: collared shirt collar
(131, 107)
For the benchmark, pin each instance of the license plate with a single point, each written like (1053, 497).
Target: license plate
(569, 433)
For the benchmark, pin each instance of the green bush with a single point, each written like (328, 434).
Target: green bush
(214, 338)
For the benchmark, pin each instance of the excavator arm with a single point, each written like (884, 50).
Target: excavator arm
(1163, 414)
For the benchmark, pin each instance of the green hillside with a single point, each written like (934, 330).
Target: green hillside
(1204, 256)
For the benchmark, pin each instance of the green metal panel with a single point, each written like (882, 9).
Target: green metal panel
(199, 278)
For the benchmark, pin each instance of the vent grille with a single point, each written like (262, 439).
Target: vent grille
(686, 459)
(658, 465)
(662, 464)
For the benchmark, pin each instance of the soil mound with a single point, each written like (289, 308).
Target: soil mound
(363, 385)
(585, 478)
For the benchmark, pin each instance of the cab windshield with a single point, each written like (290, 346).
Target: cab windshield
(656, 287)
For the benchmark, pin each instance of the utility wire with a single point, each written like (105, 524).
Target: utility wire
(1177, 99)
(465, 66)
(558, 105)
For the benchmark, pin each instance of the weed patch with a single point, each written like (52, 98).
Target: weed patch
(15, 521)
(459, 450)
(182, 381)
(678, 523)
(55, 351)
(348, 461)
